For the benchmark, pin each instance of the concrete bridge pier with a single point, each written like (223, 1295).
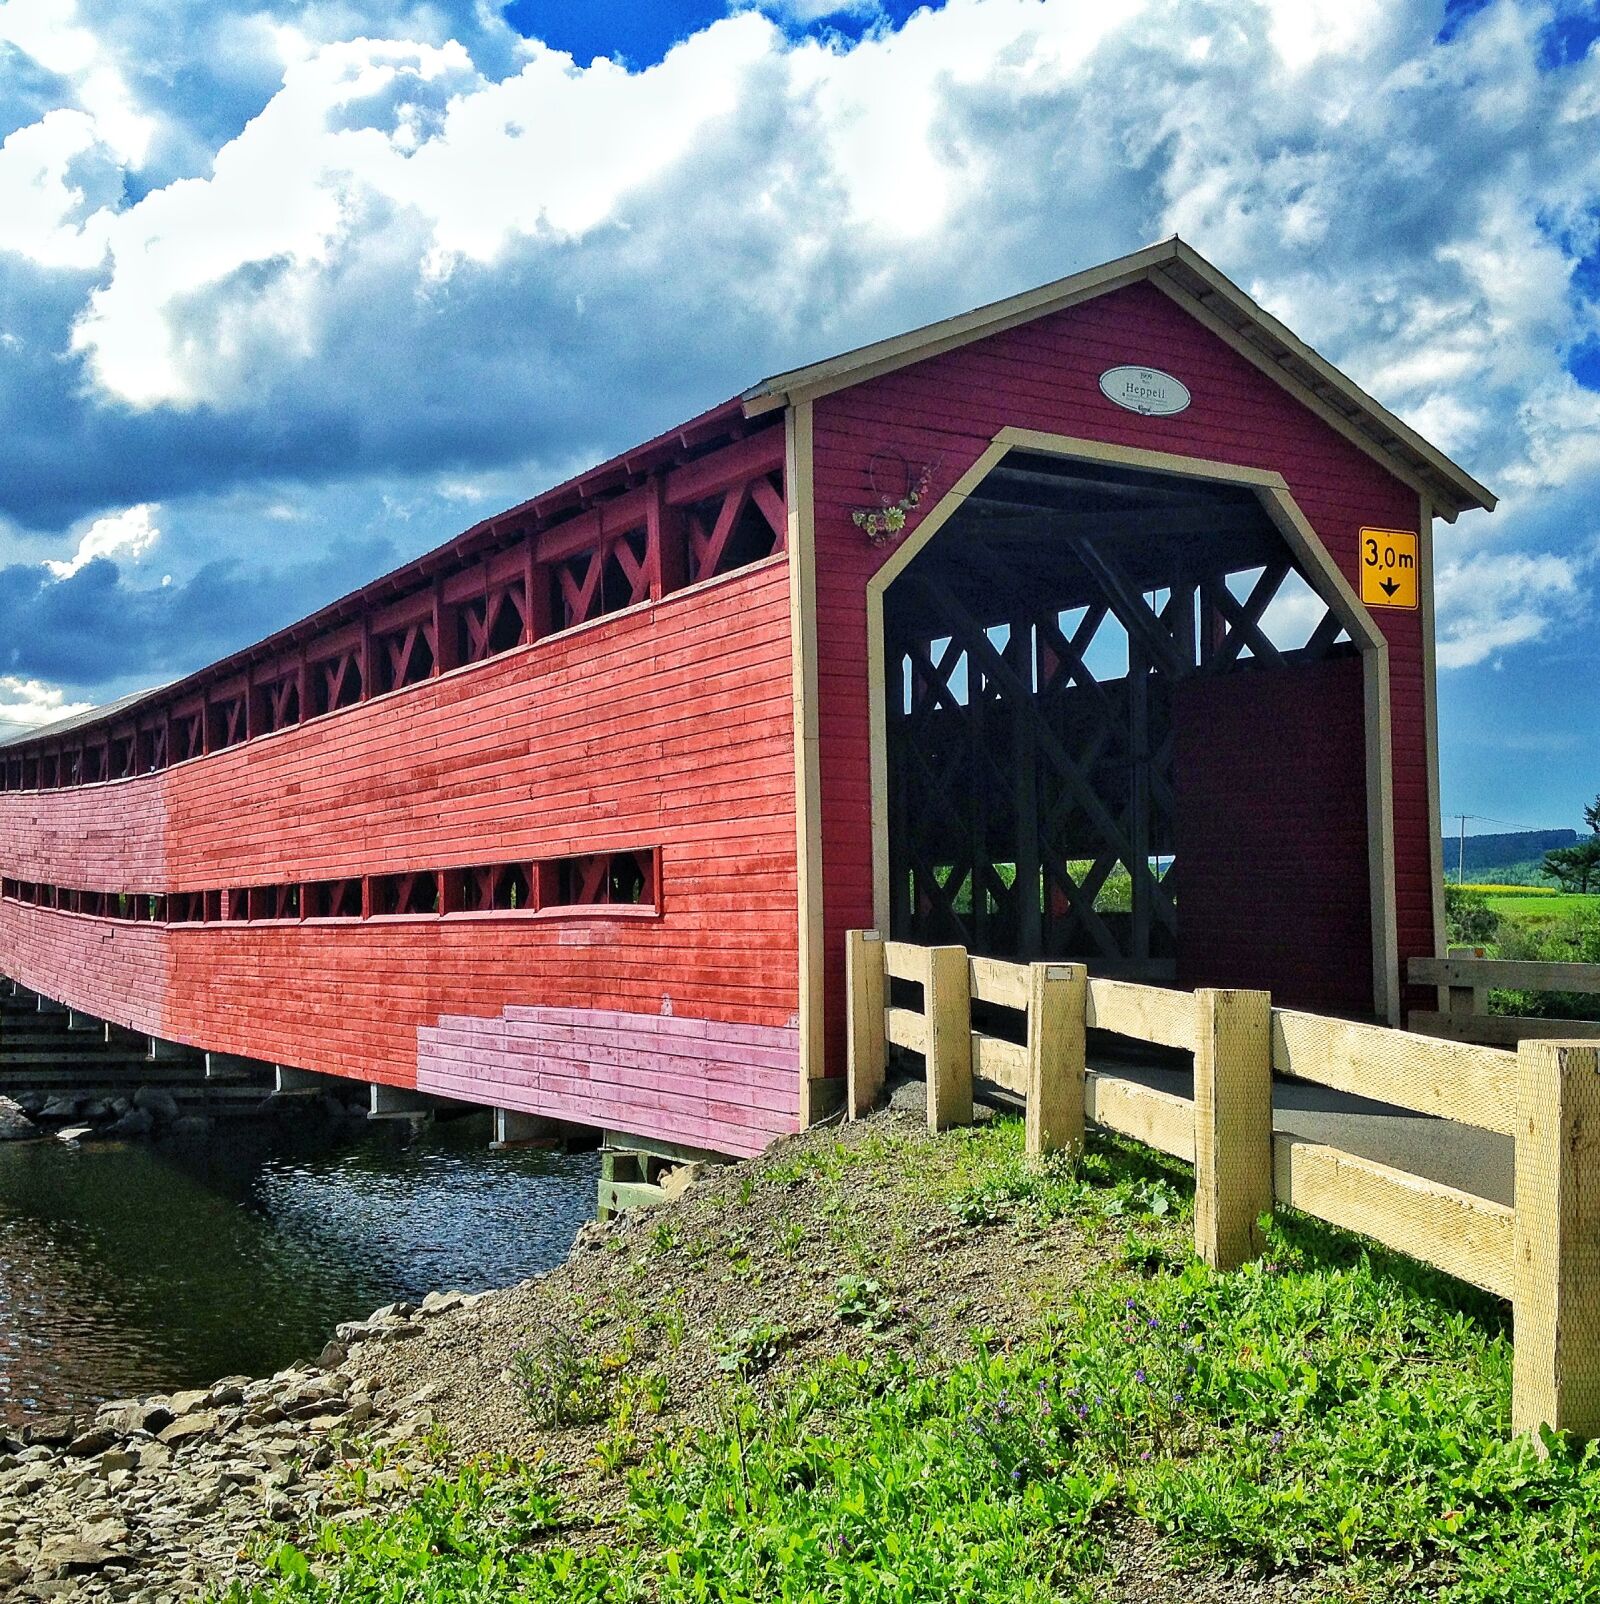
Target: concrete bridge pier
(515, 1129)
(48, 1005)
(86, 1023)
(398, 1102)
(288, 1081)
(161, 1051)
(230, 1066)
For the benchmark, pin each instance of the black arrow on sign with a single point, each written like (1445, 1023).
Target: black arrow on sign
(1388, 587)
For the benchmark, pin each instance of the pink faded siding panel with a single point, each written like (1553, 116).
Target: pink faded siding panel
(728, 1087)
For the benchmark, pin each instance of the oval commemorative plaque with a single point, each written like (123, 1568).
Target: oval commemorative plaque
(1146, 390)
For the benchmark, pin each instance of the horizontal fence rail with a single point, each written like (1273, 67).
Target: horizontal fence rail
(1465, 983)
(1542, 1252)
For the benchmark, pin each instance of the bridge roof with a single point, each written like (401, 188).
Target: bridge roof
(1183, 273)
(1171, 265)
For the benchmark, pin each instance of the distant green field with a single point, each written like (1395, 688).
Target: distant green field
(1540, 910)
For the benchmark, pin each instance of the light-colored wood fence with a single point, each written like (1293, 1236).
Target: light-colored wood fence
(1465, 984)
(1542, 1252)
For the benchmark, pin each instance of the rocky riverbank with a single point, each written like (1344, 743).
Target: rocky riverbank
(157, 1497)
(103, 1115)
(859, 1246)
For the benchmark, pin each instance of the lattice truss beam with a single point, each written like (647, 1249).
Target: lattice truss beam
(630, 544)
(1031, 735)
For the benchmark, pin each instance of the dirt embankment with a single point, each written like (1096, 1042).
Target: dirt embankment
(836, 1241)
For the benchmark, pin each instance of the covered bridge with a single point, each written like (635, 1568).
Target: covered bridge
(1092, 624)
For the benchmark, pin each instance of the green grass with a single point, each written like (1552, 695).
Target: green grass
(1522, 908)
(1329, 1410)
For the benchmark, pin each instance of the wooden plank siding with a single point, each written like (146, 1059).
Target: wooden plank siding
(668, 726)
(1043, 375)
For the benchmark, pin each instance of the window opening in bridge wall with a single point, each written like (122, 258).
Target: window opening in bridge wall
(490, 624)
(333, 899)
(227, 716)
(186, 907)
(272, 902)
(416, 893)
(605, 879)
(336, 680)
(496, 887)
(739, 526)
(402, 656)
(277, 703)
(188, 732)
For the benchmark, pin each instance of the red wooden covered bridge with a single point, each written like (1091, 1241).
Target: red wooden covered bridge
(1040, 630)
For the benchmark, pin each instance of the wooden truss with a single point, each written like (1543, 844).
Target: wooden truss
(512, 584)
(1021, 780)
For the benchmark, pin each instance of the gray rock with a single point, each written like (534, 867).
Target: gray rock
(202, 1423)
(64, 1108)
(15, 1126)
(909, 1096)
(53, 1431)
(128, 1415)
(94, 1441)
(188, 1403)
(31, 1103)
(121, 1106)
(156, 1102)
(443, 1302)
(333, 1355)
(96, 1112)
(95, 1546)
(136, 1122)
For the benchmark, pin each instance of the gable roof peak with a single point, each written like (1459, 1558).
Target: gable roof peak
(1182, 273)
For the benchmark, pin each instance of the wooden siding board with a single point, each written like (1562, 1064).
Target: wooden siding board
(668, 726)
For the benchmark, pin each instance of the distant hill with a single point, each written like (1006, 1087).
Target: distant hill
(1492, 851)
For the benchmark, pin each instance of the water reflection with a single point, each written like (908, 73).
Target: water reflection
(139, 1268)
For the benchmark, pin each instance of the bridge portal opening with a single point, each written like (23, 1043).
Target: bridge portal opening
(1125, 725)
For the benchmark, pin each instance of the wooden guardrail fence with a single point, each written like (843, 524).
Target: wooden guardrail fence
(1466, 983)
(1542, 1252)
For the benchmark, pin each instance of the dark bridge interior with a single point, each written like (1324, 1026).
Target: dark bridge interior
(1047, 655)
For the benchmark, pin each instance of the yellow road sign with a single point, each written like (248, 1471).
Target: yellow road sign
(1388, 568)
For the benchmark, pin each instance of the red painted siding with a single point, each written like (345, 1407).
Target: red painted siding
(1045, 375)
(668, 726)
(1272, 835)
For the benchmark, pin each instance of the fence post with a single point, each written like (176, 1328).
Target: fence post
(1556, 1286)
(868, 1057)
(1058, 1001)
(1232, 1124)
(947, 1008)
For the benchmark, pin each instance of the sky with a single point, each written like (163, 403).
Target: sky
(293, 292)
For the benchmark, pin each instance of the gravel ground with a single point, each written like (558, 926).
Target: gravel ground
(748, 1258)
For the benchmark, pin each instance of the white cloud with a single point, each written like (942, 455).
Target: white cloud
(49, 32)
(37, 196)
(28, 703)
(129, 534)
(1490, 601)
(1414, 209)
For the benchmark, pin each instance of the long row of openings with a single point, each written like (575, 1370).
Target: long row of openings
(720, 513)
(598, 880)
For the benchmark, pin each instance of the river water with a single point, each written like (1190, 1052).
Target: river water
(143, 1267)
